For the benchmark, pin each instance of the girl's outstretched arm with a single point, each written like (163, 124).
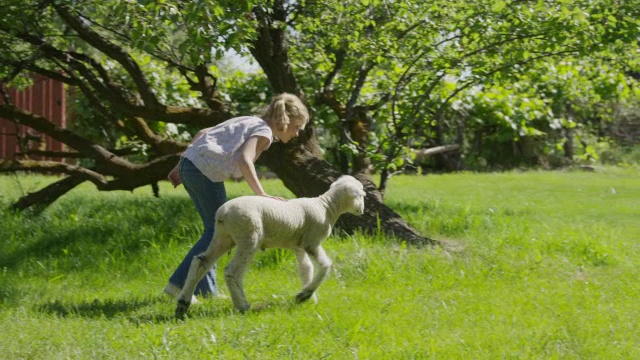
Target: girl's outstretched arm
(249, 153)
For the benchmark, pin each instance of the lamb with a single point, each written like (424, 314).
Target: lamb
(255, 223)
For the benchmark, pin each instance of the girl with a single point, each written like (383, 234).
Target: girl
(219, 152)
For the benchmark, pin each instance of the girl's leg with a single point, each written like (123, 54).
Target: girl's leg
(207, 196)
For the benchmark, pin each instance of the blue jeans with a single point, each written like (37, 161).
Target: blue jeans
(207, 196)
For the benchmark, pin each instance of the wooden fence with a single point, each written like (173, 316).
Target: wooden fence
(46, 98)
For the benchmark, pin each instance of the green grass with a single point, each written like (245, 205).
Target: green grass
(546, 267)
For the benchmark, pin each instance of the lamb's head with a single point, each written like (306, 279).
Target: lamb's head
(350, 193)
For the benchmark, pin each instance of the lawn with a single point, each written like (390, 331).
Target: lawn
(540, 265)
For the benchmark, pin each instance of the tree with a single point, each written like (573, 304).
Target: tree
(96, 47)
(394, 69)
(379, 72)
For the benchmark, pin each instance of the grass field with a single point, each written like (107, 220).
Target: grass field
(547, 266)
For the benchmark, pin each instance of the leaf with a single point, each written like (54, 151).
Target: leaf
(498, 6)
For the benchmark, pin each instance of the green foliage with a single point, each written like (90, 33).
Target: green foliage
(190, 33)
(568, 104)
(538, 265)
(417, 74)
(166, 40)
(247, 93)
(410, 62)
(170, 87)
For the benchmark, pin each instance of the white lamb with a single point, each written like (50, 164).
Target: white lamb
(252, 223)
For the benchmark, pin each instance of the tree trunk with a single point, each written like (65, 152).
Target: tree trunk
(568, 144)
(359, 129)
(298, 164)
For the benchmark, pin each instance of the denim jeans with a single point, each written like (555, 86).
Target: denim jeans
(207, 196)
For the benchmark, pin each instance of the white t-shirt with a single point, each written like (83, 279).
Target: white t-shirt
(215, 153)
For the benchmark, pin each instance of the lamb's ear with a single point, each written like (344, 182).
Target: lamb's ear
(357, 189)
(341, 179)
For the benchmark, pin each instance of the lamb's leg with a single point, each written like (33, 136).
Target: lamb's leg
(324, 265)
(305, 269)
(234, 276)
(199, 266)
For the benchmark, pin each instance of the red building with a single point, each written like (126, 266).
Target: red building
(46, 98)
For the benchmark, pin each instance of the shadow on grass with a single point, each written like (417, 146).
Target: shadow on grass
(75, 236)
(224, 307)
(8, 293)
(133, 310)
(108, 309)
(49, 245)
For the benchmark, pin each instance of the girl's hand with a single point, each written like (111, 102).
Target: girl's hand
(272, 197)
(275, 197)
(174, 177)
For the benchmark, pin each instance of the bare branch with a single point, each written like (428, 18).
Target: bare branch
(421, 154)
(174, 114)
(207, 85)
(113, 51)
(53, 154)
(5, 96)
(159, 144)
(143, 174)
(340, 56)
(357, 89)
(110, 92)
(52, 166)
(53, 75)
(112, 164)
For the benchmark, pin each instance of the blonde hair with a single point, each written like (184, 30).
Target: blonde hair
(284, 110)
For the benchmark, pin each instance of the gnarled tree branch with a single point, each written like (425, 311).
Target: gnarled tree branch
(113, 51)
(40, 166)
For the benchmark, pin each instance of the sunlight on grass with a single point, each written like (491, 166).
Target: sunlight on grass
(549, 269)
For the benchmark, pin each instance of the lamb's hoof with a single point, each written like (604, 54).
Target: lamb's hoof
(181, 309)
(303, 296)
(243, 308)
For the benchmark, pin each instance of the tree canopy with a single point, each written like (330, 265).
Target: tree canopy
(381, 77)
